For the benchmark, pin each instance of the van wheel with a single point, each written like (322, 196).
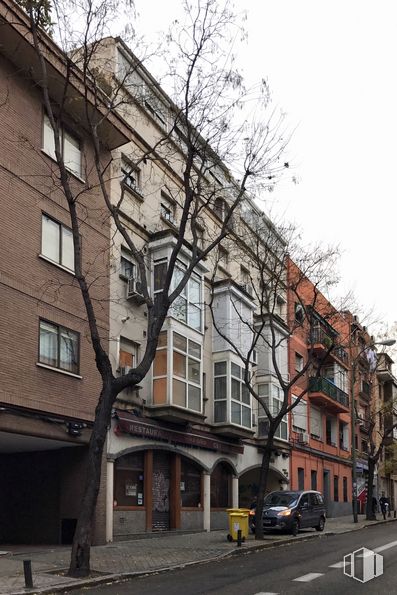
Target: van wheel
(295, 527)
(321, 525)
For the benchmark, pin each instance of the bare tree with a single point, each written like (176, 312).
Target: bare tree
(200, 139)
(285, 298)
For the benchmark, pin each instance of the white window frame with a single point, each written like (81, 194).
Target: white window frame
(49, 145)
(59, 330)
(233, 379)
(131, 177)
(272, 395)
(63, 232)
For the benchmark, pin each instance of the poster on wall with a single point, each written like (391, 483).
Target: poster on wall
(130, 489)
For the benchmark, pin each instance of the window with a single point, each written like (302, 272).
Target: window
(223, 257)
(316, 423)
(167, 210)
(186, 374)
(129, 480)
(272, 395)
(299, 312)
(59, 347)
(330, 431)
(126, 265)
(240, 398)
(220, 208)
(364, 446)
(57, 242)
(128, 355)
(187, 307)
(313, 477)
(190, 484)
(299, 362)
(130, 176)
(336, 488)
(301, 479)
(245, 276)
(299, 415)
(343, 435)
(345, 489)
(70, 146)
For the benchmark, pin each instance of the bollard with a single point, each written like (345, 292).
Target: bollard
(239, 540)
(27, 571)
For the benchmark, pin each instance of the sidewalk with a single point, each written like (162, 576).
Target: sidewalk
(140, 556)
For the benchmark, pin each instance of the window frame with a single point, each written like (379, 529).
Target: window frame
(228, 399)
(131, 172)
(61, 226)
(58, 367)
(272, 398)
(63, 130)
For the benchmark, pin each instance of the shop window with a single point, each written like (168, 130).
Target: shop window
(221, 479)
(190, 484)
(129, 480)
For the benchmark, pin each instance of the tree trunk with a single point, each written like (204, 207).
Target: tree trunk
(263, 484)
(80, 556)
(370, 515)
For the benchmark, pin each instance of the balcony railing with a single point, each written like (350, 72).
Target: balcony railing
(341, 354)
(318, 384)
(318, 335)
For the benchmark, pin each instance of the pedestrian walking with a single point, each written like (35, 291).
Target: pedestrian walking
(384, 505)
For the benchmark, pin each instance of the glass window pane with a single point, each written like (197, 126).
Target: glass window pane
(126, 268)
(67, 248)
(178, 393)
(177, 278)
(263, 390)
(160, 270)
(236, 370)
(236, 413)
(194, 371)
(194, 317)
(179, 308)
(194, 292)
(194, 349)
(160, 391)
(220, 368)
(48, 344)
(220, 411)
(246, 417)
(179, 361)
(48, 138)
(194, 398)
(220, 388)
(68, 356)
(162, 339)
(50, 239)
(71, 153)
(284, 431)
(160, 363)
(180, 342)
(236, 394)
(245, 394)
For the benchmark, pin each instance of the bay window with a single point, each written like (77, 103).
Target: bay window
(272, 395)
(232, 400)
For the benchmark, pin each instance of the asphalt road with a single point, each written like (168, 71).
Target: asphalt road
(314, 566)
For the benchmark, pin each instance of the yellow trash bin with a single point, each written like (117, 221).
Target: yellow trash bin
(238, 521)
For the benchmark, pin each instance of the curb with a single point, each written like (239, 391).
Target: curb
(124, 576)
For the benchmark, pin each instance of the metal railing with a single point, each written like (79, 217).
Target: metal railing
(323, 385)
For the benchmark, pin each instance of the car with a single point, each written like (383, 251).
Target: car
(291, 511)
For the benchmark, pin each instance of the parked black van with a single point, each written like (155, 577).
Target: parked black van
(291, 511)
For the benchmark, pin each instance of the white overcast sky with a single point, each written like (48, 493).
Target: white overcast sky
(332, 68)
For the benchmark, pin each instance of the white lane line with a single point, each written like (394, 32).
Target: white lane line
(387, 546)
(337, 565)
(263, 593)
(306, 578)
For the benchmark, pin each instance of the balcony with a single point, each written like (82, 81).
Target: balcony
(174, 414)
(324, 393)
(229, 430)
(320, 340)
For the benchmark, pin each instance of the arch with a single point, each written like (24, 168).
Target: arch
(167, 447)
(249, 483)
(228, 462)
(277, 472)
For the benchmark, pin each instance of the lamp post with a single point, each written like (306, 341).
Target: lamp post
(385, 343)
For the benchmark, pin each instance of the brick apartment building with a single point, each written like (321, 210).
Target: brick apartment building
(320, 424)
(49, 382)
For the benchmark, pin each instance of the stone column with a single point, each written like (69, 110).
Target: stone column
(235, 492)
(109, 500)
(206, 501)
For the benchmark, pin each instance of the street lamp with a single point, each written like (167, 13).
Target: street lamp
(385, 343)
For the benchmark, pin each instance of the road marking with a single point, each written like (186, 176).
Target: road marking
(337, 565)
(387, 546)
(263, 593)
(306, 578)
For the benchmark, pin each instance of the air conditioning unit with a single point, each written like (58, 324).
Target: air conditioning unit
(303, 438)
(134, 290)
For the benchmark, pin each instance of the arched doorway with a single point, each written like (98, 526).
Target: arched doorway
(221, 494)
(249, 485)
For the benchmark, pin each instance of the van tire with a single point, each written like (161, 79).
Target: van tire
(295, 527)
(321, 524)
